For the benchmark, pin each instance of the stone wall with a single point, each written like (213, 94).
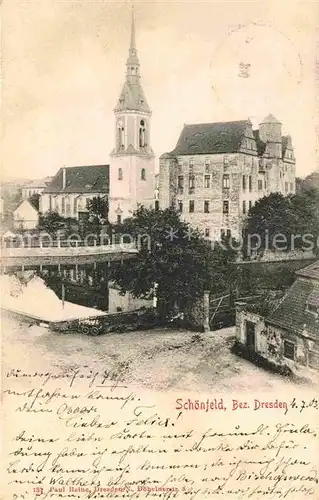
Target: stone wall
(241, 194)
(270, 342)
(127, 302)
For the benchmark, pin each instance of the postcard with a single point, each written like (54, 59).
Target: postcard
(159, 250)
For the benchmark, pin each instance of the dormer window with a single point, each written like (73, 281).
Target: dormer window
(313, 308)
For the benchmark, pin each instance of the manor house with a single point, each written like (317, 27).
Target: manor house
(218, 171)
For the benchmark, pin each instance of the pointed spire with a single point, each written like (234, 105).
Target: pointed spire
(132, 45)
(132, 55)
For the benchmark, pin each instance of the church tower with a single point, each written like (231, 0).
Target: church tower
(132, 169)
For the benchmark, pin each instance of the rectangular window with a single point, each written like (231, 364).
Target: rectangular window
(286, 187)
(225, 207)
(191, 182)
(250, 180)
(180, 182)
(226, 181)
(207, 164)
(207, 233)
(191, 162)
(226, 160)
(206, 207)
(120, 174)
(63, 205)
(289, 349)
(180, 206)
(260, 185)
(50, 202)
(312, 308)
(250, 204)
(119, 219)
(207, 181)
(244, 207)
(228, 233)
(291, 187)
(75, 206)
(191, 206)
(244, 182)
(222, 233)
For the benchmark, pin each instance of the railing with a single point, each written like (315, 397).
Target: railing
(67, 250)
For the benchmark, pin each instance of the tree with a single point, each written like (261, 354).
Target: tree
(98, 210)
(51, 222)
(172, 255)
(35, 200)
(278, 222)
(96, 216)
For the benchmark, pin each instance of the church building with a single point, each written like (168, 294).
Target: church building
(132, 169)
(129, 180)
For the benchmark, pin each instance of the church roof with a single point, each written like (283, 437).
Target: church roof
(211, 138)
(83, 179)
(132, 98)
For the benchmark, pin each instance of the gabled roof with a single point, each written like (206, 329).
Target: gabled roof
(211, 138)
(26, 202)
(85, 179)
(311, 271)
(34, 202)
(293, 314)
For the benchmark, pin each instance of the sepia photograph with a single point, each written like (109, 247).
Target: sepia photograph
(160, 249)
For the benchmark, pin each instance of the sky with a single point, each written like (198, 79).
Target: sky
(63, 67)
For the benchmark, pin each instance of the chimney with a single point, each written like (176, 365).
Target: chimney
(63, 178)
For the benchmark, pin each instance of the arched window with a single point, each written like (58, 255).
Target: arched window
(120, 174)
(143, 174)
(142, 141)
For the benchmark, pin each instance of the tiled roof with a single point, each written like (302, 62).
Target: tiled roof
(211, 138)
(311, 271)
(86, 179)
(132, 98)
(292, 314)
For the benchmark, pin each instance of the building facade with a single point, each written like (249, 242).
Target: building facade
(218, 171)
(72, 187)
(25, 216)
(35, 187)
(132, 169)
(289, 334)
